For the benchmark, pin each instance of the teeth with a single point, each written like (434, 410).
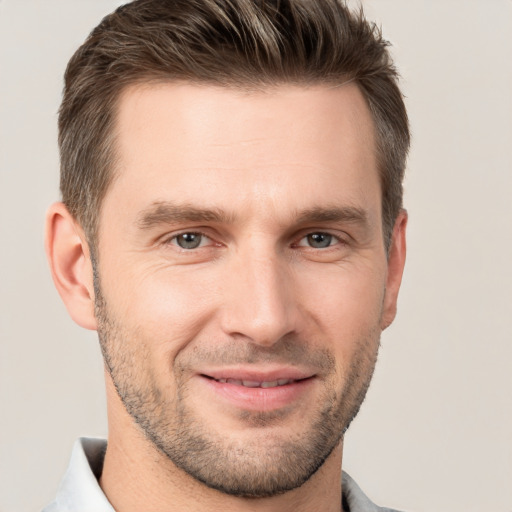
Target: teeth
(251, 384)
(256, 384)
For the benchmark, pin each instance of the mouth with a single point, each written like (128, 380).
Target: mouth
(258, 391)
(255, 383)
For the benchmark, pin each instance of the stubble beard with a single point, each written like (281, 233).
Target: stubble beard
(260, 465)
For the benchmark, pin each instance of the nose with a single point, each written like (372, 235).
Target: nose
(259, 303)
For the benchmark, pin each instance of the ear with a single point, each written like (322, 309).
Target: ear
(396, 262)
(70, 263)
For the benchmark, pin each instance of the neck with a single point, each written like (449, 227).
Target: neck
(137, 476)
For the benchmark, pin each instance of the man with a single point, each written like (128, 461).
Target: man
(232, 226)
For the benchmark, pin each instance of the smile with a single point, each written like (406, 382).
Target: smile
(257, 384)
(263, 392)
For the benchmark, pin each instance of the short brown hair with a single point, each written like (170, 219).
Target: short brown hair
(238, 43)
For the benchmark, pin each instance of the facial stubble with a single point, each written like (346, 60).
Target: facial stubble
(261, 464)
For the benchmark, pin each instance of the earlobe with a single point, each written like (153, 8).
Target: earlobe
(396, 262)
(70, 264)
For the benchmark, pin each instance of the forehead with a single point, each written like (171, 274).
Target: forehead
(228, 115)
(219, 147)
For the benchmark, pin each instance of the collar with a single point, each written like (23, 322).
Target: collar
(79, 488)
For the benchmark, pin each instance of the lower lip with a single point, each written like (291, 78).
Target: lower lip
(259, 399)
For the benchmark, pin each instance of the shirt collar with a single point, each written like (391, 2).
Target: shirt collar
(79, 488)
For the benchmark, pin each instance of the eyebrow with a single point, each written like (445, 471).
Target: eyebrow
(349, 214)
(165, 212)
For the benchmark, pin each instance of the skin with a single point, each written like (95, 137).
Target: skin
(275, 166)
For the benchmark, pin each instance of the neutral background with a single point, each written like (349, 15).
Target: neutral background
(435, 433)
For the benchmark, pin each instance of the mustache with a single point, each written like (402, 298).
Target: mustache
(286, 351)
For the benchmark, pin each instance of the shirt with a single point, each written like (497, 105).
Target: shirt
(80, 491)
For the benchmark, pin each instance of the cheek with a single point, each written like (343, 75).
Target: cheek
(166, 309)
(346, 306)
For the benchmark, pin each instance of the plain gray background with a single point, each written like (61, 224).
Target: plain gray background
(435, 431)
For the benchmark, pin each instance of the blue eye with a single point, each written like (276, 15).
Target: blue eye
(189, 240)
(318, 240)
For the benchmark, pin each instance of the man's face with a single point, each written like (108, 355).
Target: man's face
(242, 276)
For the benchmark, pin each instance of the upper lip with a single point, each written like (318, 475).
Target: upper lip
(257, 374)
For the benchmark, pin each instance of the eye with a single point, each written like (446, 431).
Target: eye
(318, 240)
(190, 240)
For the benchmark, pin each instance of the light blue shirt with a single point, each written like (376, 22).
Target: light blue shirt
(80, 491)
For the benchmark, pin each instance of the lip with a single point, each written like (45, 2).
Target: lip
(255, 374)
(258, 398)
